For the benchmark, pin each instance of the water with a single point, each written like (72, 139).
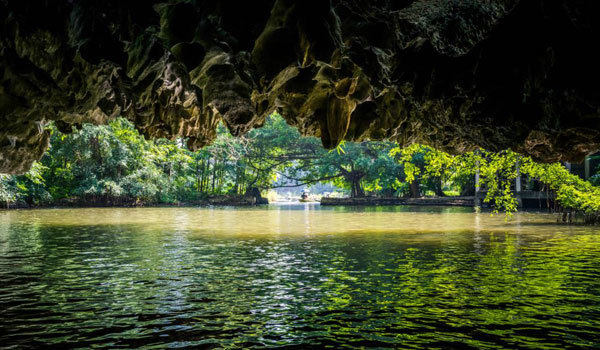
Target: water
(296, 276)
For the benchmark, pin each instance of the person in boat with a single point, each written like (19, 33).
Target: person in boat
(304, 195)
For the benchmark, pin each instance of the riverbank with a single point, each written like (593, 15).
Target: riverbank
(221, 200)
(375, 201)
(562, 216)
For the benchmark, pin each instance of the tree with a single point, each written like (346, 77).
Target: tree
(114, 164)
(498, 172)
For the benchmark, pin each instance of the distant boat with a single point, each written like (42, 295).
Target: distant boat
(304, 196)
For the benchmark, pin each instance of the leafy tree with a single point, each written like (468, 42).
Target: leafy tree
(497, 174)
(359, 167)
(114, 164)
(28, 188)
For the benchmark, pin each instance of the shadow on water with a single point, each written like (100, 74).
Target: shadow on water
(154, 277)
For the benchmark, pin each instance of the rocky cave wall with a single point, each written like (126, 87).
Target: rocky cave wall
(456, 74)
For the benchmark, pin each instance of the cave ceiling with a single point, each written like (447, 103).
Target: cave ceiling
(456, 75)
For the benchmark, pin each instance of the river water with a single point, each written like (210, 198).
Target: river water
(296, 276)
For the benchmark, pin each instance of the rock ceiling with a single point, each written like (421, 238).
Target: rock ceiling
(457, 74)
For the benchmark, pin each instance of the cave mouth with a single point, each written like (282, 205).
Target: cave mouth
(500, 74)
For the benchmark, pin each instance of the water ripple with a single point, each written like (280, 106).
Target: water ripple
(155, 284)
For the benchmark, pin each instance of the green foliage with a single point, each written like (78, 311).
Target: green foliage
(114, 164)
(8, 189)
(432, 168)
(571, 191)
(29, 188)
(361, 168)
(498, 172)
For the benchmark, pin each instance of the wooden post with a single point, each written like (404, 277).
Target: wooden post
(477, 200)
(587, 168)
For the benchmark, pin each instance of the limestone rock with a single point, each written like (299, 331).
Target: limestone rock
(455, 74)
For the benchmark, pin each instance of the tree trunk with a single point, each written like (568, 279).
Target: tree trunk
(439, 187)
(415, 192)
(356, 188)
(222, 175)
(468, 189)
(198, 175)
(360, 192)
(203, 176)
(206, 175)
(214, 175)
(237, 181)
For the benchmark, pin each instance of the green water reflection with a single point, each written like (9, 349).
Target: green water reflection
(296, 276)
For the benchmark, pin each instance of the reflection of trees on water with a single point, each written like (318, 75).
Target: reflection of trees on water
(484, 288)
